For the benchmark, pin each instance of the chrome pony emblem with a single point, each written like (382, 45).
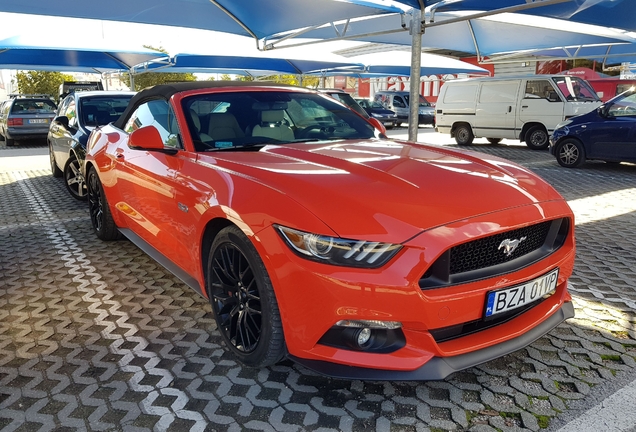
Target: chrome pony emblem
(509, 246)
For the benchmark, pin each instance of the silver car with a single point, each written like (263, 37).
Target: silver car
(25, 117)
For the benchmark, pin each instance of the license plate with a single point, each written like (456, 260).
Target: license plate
(32, 121)
(512, 298)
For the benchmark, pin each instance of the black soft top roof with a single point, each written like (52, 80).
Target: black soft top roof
(165, 91)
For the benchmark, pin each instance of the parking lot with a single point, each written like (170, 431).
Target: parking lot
(98, 336)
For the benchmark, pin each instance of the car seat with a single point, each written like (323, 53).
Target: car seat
(89, 115)
(197, 134)
(224, 126)
(272, 126)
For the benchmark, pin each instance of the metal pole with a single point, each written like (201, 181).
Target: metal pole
(416, 63)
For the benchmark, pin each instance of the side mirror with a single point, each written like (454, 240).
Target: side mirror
(377, 124)
(603, 110)
(63, 120)
(148, 138)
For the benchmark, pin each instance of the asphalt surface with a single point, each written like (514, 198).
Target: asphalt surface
(97, 336)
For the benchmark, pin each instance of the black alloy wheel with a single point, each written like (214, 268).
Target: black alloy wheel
(101, 218)
(74, 179)
(54, 169)
(464, 134)
(243, 300)
(537, 138)
(570, 153)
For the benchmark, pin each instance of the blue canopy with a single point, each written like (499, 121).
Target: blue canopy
(23, 53)
(608, 13)
(480, 36)
(245, 17)
(259, 64)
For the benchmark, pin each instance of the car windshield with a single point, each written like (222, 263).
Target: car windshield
(349, 101)
(101, 110)
(227, 120)
(423, 102)
(24, 106)
(575, 89)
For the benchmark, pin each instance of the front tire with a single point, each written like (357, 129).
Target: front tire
(537, 138)
(464, 135)
(74, 179)
(101, 218)
(243, 300)
(570, 153)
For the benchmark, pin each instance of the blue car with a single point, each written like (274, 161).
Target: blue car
(607, 133)
(375, 109)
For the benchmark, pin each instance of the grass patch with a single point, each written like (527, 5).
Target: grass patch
(543, 421)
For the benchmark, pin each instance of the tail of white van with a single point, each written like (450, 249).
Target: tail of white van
(525, 108)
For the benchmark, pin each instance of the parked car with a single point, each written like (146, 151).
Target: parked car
(398, 101)
(375, 109)
(77, 116)
(25, 117)
(607, 133)
(352, 254)
(348, 100)
(526, 108)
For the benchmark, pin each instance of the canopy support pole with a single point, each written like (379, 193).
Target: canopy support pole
(417, 29)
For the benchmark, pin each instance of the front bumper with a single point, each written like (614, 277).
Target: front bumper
(439, 368)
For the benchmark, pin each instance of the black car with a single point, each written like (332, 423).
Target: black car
(26, 117)
(607, 133)
(78, 114)
(376, 109)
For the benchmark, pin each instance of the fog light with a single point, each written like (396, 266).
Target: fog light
(363, 336)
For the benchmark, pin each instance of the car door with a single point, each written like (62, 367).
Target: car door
(496, 109)
(540, 104)
(614, 137)
(61, 136)
(155, 198)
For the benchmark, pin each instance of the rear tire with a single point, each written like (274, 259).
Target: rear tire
(494, 140)
(9, 142)
(101, 218)
(537, 138)
(243, 300)
(54, 169)
(74, 180)
(464, 135)
(570, 153)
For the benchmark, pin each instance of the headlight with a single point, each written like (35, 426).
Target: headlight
(338, 251)
(376, 115)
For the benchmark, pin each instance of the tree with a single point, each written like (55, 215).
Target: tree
(153, 78)
(41, 82)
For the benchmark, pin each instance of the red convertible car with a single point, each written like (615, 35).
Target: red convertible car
(318, 239)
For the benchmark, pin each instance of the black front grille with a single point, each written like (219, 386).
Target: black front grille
(488, 252)
(486, 257)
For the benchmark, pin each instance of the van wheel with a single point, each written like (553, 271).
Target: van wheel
(494, 140)
(464, 135)
(537, 138)
(570, 153)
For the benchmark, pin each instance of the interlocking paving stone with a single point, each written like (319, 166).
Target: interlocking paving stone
(98, 336)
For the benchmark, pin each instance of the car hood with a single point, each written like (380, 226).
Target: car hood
(381, 111)
(388, 190)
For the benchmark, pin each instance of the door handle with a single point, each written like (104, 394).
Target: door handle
(509, 108)
(524, 106)
(119, 155)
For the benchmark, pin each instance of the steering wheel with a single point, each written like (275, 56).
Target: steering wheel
(304, 133)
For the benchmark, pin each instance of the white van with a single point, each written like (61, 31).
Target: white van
(525, 108)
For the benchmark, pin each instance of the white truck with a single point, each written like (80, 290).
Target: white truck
(526, 108)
